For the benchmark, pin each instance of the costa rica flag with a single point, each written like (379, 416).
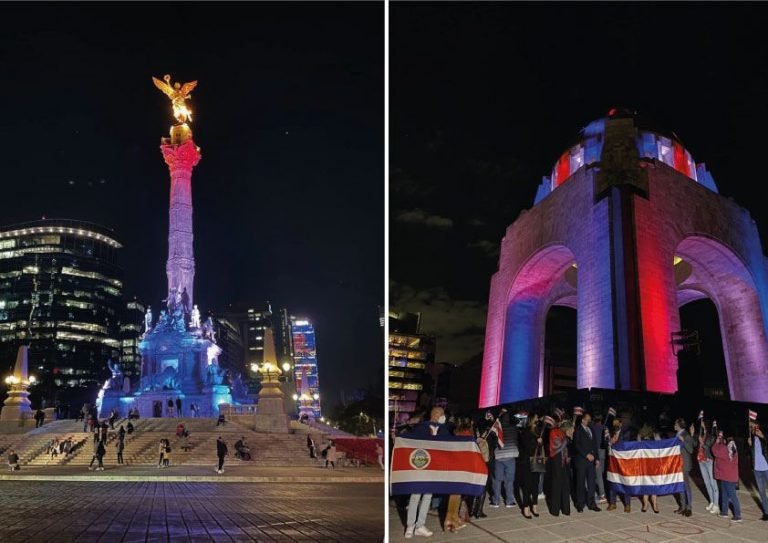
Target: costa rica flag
(437, 465)
(646, 467)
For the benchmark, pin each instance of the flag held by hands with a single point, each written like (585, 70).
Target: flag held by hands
(655, 467)
(752, 415)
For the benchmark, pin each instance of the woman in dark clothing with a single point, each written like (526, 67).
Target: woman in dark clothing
(531, 443)
(557, 468)
(482, 430)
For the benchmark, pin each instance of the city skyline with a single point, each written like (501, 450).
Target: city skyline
(289, 120)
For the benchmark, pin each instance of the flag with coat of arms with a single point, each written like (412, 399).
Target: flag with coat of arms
(437, 465)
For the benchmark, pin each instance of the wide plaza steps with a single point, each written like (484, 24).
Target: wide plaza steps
(142, 445)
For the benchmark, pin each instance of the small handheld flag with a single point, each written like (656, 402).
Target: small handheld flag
(701, 414)
(578, 411)
(612, 411)
(497, 429)
(752, 415)
(714, 424)
(549, 421)
(559, 412)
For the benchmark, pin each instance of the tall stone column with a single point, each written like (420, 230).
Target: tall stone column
(181, 158)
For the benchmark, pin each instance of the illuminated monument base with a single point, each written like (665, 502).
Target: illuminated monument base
(176, 363)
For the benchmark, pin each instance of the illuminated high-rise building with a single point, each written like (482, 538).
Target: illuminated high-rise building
(131, 329)
(305, 367)
(409, 353)
(61, 292)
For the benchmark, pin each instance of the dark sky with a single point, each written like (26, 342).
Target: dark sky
(484, 97)
(289, 113)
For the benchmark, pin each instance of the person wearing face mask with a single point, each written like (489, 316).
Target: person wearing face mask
(418, 505)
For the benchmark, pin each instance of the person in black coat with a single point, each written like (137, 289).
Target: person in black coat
(221, 452)
(584, 464)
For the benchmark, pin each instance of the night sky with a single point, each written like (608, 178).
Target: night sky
(289, 113)
(484, 98)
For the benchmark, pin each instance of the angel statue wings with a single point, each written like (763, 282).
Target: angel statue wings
(178, 95)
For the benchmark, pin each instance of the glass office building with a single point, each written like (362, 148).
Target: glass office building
(61, 293)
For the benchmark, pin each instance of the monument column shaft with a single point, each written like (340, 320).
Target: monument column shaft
(180, 268)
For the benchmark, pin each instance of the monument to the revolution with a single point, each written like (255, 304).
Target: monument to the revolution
(179, 355)
(626, 231)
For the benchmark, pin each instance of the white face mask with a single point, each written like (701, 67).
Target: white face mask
(441, 419)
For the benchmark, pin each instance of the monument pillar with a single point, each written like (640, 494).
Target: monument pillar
(181, 155)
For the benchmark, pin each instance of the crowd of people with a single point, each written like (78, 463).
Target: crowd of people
(562, 459)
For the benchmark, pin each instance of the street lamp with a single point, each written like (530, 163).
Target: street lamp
(286, 367)
(316, 396)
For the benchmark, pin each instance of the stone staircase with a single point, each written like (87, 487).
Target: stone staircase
(141, 447)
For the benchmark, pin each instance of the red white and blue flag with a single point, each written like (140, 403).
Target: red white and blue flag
(649, 467)
(437, 465)
(752, 415)
(499, 431)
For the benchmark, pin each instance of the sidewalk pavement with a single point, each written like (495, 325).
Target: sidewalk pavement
(234, 472)
(509, 525)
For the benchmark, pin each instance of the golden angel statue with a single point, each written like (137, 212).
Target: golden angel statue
(178, 95)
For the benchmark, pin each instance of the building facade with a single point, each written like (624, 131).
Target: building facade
(131, 329)
(61, 292)
(410, 352)
(305, 374)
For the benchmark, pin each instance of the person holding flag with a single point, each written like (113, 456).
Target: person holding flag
(705, 439)
(758, 453)
(418, 505)
(727, 472)
(686, 450)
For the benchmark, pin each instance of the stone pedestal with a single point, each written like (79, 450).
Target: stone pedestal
(16, 406)
(270, 414)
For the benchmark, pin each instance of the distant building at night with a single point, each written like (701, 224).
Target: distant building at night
(305, 372)
(131, 329)
(251, 320)
(61, 292)
(409, 353)
(230, 340)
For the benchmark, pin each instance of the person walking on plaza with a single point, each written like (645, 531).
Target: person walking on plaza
(167, 457)
(727, 472)
(100, 452)
(221, 452)
(686, 450)
(705, 439)
(95, 451)
(557, 465)
(161, 454)
(120, 447)
(531, 449)
(757, 449)
(418, 504)
(13, 461)
(331, 457)
(178, 407)
(584, 463)
(39, 418)
(506, 460)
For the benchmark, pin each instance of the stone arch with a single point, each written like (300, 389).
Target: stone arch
(539, 284)
(718, 273)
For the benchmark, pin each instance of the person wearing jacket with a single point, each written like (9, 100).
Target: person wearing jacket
(686, 450)
(221, 452)
(483, 430)
(584, 464)
(559, 497)
(727, 472)
(505, 461)
(707, 465)
(757, 448)
(418, 504)
(530, 444)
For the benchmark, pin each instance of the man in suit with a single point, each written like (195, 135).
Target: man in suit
(584, 463)
(686, 450)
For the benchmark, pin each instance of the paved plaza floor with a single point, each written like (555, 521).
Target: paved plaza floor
(508, 525)
(111, 512)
